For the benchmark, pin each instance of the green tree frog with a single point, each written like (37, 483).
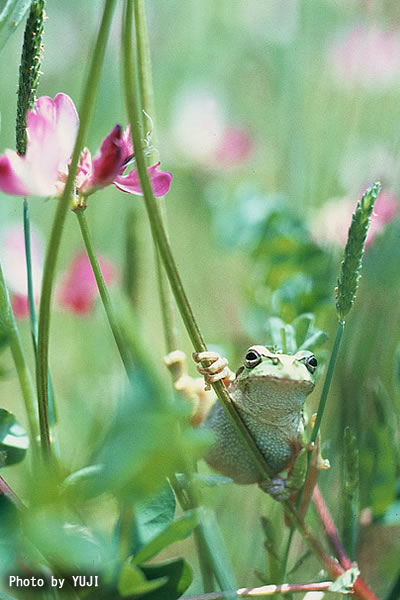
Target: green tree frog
(268, 391)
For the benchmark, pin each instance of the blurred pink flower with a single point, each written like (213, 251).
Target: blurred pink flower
(367, 56)
(12, 255)
(52, 126)
(78, 289)
(331, 224)
(202, 134)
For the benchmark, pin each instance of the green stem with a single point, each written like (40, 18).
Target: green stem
(161, 240)
(144, 66)
(32, 310)
(207, 562)
(327, 383)
(105, 296)
(24, 376)
(89, 98)
(320, 412)
(28, 258)
(207, 565)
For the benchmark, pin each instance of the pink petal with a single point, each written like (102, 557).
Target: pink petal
(108, 161)
(10, 181)
(13, 261)
(78, 290)
(160, 181)
(61, 112)
(67, 122)
(127, 144)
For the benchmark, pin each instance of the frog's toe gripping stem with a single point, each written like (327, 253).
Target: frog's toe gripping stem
(217, 369)
(283, 486)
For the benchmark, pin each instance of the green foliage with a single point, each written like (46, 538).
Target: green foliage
(291, 273)
(10, 533)
(301, 334)
(69, 545)
(14, 441)
(152, 517)
(11, 14)
(176, 531)
(179, 576)
(132, 581)
(378, 468)
(150, 433)
(167, 580)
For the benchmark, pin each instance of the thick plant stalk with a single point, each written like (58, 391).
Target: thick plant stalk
(89, 97)
(207, 555)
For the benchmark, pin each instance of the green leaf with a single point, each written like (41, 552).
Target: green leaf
(344, 583)
(147, 441)
(132, 581)
(176, 531)
(204, 479)
(216, 545)
(275, 326)
(69, 546)
(153, 517)
(288, 339)
(392, 515)
(303, 325)
(11, 14)
(13, 438)
(10, 533)
(314, 341)
(79, 483)
(179, 576)
(4, 596)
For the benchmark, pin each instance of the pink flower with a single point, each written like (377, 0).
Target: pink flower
(367, 56)
(202, 133)
(52, 127)
(78, 289)
(12, 255)
(332, 222)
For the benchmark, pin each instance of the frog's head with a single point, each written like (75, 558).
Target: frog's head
(261, 364)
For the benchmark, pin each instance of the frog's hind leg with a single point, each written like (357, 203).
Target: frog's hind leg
(287, 484)
(191, 388)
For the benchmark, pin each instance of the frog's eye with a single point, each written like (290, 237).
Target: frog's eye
(310, 362)
(252, 358)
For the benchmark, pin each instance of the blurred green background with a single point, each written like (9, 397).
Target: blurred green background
(266, 112)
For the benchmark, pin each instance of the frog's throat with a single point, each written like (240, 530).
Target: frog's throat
(274, 404)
